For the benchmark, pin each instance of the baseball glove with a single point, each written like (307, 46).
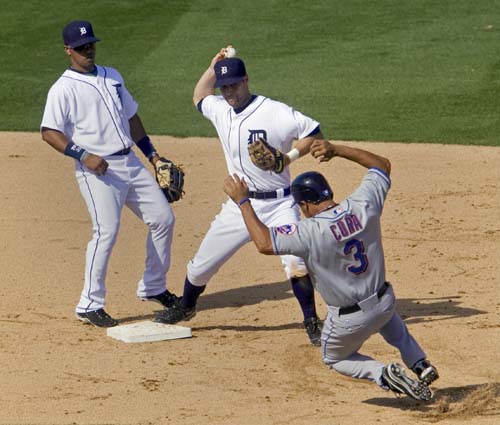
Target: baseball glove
(264, 156)
(170, 178)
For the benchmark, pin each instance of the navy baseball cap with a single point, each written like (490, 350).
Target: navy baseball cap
(78, 33)
(229, 71)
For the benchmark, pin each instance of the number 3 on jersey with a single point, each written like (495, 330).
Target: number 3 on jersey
(357, 249)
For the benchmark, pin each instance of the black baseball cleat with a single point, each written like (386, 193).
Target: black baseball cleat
(166, 298)
(175, 313)
(425, 371)
(396, 379)
(313, 328)
(98, 318)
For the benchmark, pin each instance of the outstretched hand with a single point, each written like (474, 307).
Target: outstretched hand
(323, 150)
(236, 188)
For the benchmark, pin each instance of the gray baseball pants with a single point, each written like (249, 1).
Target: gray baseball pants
(343, 335)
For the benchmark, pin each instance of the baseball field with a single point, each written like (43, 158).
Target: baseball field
(249, 361)
(416, 82)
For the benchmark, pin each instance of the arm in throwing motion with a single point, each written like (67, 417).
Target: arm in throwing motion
(205, 85)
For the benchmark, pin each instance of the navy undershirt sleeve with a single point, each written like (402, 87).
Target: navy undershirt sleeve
(199, 105)
(315, 131)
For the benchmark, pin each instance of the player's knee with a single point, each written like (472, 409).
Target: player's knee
(162, 222)
(106, 231)
(332, 363)
(341, 367)
(168, 220)
(333, 355)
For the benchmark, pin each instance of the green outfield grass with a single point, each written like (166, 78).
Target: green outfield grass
(387, 70)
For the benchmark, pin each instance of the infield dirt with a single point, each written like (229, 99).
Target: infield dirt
(249, 361)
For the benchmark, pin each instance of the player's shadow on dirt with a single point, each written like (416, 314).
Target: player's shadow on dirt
(246, 295)
(451, 402)
(412, 310)
(417, 310)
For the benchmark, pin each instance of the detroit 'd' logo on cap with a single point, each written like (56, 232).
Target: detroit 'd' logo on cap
(287, 229)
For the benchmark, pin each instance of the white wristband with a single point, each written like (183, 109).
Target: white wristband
(293, 154)
(84, 156)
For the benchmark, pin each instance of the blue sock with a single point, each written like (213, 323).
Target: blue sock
(191, 294)
(304, 292)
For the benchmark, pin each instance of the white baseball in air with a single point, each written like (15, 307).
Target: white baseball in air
(230, 52)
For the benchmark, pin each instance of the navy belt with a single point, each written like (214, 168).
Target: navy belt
(125, 151)
(356, 307)
(273, 194)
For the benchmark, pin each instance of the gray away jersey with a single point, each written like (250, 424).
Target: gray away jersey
(342, 246)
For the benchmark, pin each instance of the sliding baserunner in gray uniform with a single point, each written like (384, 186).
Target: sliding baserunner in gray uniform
(342, 248)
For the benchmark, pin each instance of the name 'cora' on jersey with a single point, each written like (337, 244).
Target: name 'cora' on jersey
(346, 226)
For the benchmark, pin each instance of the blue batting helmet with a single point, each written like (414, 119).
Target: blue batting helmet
(311, 187)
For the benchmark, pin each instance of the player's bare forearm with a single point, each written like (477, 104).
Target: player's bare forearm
(304, 146)
(205, 85)
(55, 138)
(140, 137)
(325, 150)
(364, 158)
(59, 142)
(237, 190)
(137, 131)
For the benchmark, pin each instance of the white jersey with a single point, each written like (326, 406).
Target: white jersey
(279, 125)
(342, 246)
(274, 121)
(92, 111)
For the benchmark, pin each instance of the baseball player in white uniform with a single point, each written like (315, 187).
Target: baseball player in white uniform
(241, 118)
(90, 116)
(351, 276)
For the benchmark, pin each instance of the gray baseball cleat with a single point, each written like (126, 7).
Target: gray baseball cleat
(396, 379)
(98, 318)
(175, 313)
(313, 328)
(425, 371)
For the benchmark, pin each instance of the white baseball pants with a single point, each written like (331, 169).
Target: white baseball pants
(126, 182)
(228, 233)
